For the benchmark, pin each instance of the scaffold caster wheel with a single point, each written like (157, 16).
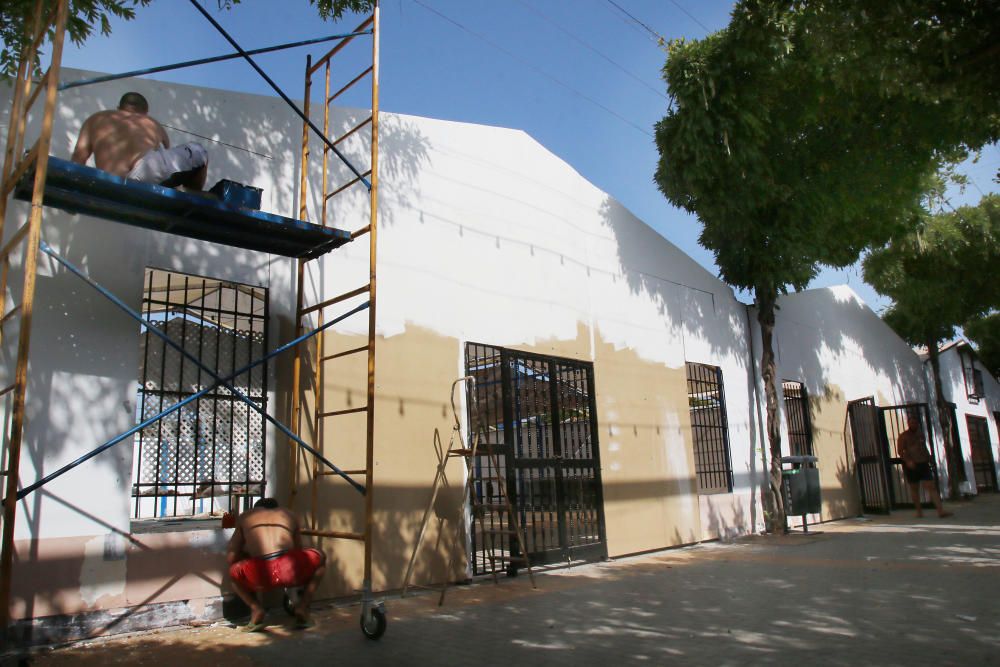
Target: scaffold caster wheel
(290, 598)
(375, 627)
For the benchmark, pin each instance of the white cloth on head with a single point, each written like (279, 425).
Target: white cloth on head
(160, 164)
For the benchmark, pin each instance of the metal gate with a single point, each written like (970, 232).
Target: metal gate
(869, 455)
(875, 432)
(539, 415)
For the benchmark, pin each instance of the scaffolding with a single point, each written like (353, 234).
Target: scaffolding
(26, 174)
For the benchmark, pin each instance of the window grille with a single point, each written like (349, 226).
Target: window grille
(797, 417)
(208, 457)
(709, 428)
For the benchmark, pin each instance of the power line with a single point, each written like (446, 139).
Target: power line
(589, 46)
(535, 68)
(690, 15)
(660, 39)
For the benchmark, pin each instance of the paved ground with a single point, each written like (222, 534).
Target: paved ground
(885, 591)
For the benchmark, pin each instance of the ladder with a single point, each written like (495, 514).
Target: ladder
(373, 620)
(47, 16)
(485, 492)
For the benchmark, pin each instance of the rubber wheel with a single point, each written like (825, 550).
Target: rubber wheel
(376, 628)
(288, 604)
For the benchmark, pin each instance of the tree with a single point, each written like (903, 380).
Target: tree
(985, 333)
(87, 15)
(804, 132)
(939, 276)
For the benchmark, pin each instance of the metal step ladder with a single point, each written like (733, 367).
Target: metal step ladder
(485, 493)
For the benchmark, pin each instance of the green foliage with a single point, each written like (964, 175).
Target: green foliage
(328, 9)
(985, 333)
(942, 274)
(87, 15)
(84, 17)
(806, 131)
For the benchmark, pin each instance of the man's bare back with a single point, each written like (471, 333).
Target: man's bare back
(117, 139)
(263, 531)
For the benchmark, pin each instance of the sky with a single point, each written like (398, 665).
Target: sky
(582, 77)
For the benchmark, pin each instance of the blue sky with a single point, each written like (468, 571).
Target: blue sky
(580, 76)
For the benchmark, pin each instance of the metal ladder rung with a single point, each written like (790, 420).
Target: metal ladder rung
(350, 132)
(335, 534)
(13, 312)
(6, 390)
(349, 84)
(343, 472)
(363, 348)
(353, 181)
(338, 413)
(20, 168)
(38, 88)
(337, 299)
(360, 232)
(18, 236)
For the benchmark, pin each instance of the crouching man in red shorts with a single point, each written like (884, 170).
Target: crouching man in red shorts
(266, 552)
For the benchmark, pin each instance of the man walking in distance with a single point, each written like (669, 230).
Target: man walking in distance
(128, 142)
(917, 464)
(266, 552)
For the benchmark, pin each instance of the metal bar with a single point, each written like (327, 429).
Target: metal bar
(362, 28)
(330, 98)
(27, 303)
(334, 534)
(6, 390)
(338, 413)
(337, 299)
(349, 183)
(194, 397)
(13, 313)
(344, 353)
(352, 130)
(39, 87)
(326, 151)
(360, 232)
(29, 159)
(349, 472)
(14, 240)
(206, 61)
(278, 90)
(372, 257)
(295, 452)
(226, 382)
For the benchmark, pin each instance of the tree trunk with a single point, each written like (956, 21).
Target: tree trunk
(951, 452)
(766, 300)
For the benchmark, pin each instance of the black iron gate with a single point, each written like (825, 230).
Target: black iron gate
(875, 432)
(538, 414)
(869, 455)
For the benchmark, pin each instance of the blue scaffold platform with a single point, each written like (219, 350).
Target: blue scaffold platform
(81, 189)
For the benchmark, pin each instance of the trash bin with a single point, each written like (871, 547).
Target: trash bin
(800, 482)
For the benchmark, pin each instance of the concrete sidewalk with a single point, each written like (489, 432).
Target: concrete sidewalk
(879, 591)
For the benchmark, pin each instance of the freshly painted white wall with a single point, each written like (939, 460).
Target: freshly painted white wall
(84, 358)
(954, 390)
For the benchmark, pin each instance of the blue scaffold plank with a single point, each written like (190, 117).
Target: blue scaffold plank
(80, 189)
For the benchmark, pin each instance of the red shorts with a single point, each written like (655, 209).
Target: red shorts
(289, 569)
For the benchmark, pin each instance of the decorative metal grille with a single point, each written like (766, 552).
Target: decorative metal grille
(207, 457)
(538, 415)
(709, 428)
(797, 417)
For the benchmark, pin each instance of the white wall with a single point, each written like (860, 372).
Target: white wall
(954, 390)
(84, 352)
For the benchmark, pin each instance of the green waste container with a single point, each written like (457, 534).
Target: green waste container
(800, 479)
